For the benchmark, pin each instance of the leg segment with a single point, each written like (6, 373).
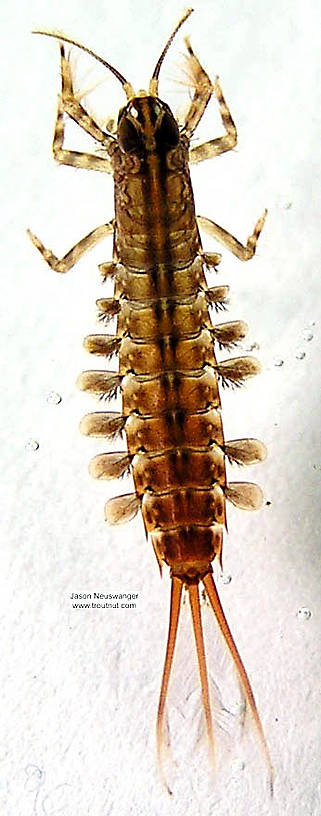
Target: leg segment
(74, 254)
(243, 253)
(69, 104)
(203, 92)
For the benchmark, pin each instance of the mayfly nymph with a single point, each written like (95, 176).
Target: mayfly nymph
(168, 374)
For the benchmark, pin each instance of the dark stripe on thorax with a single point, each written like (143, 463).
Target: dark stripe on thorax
(155, 201)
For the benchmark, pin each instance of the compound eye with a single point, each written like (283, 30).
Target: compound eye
(130, 139)
(167, 134)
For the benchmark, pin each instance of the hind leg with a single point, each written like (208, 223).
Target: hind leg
(243, 253)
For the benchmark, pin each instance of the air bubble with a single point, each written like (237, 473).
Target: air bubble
(278, 361)
(225, 578)
(304, 613)
(31, 445)
(300, 354)
(238, 766)
(284, 203)
(307, 335)
(53, 398)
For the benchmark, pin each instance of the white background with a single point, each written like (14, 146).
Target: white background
(80, 688)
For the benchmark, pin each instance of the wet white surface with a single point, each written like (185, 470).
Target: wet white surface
(80, 686)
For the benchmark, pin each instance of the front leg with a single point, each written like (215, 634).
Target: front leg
(243, 253)
(203, 92)
(69, 104)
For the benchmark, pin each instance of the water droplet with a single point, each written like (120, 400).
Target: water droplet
(278, 361)
(237, 767)
(284, 203)
(307, 335)
(225, 578)
(31, 445)
(53, 398)
(304, 613)
(300, 354)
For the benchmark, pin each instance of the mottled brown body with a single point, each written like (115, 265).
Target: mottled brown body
(168, 345)
(168, 373)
